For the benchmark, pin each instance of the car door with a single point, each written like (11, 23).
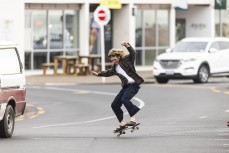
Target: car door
(215, 57)
(224, 51)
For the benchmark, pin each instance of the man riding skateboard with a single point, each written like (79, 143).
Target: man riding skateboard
(123, 67)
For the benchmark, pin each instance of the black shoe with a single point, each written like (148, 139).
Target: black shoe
(120, 128)
(228, 123)
(131, 123)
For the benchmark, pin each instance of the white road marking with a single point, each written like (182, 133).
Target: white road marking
(227, 111)
(141, 105)
(222, 139)
(60, 84)
(202, 117)
(170, 123)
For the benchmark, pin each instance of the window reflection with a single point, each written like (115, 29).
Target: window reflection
(150, 27)
(39, 29)
(56, 29)
(152, 34)
(163, 28)
(49, 33)
(39, 58)
(71, 29)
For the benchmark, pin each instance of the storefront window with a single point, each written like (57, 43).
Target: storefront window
(39, 58)
(71, 29)
(138, 31)
(149, 57)
(49, 33)
(150, 27)
(55, 29)
(163, 27)
(152, 34)
(39, 29)
(222, 23)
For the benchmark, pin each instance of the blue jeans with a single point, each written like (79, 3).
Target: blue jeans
(124, 96)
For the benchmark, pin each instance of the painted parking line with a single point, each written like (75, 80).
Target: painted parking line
(31, 114)
(215, 90)
(39, 112)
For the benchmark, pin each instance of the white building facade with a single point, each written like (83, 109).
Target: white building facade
(46, 28)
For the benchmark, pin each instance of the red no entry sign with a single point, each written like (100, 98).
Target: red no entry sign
(102, 15)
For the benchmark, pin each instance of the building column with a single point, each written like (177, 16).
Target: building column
(172, 30)
(123, 26)
(84, 29)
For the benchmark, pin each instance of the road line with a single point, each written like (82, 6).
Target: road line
(170, 123)
(39, 112)
(202, 117)
(215, 90)
(222, 139)
(226, 144)
(141, 105)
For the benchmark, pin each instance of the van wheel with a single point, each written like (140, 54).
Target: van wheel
(7, 123)
(203, 75)
(161, 80)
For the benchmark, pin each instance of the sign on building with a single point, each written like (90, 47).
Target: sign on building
(221, 4)
(111, 4)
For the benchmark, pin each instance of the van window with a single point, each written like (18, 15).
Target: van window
(9, 63)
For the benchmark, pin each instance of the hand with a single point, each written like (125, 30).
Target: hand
(124, 43)
(93, 73)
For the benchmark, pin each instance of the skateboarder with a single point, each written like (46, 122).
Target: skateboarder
(123, 67)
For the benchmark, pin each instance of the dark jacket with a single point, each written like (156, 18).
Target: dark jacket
(127, 64)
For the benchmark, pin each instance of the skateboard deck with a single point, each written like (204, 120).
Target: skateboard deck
(131, 128)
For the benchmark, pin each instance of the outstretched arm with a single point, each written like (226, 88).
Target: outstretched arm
(93, 73)
(106, 73)
(131, 56)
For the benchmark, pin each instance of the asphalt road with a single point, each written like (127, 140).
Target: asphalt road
(179, 117)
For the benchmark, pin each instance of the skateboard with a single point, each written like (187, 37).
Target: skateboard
(131, 128)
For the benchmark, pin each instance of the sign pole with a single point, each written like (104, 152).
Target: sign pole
(102, 16)
(102, 51)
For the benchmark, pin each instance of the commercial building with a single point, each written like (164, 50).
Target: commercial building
(46, 28)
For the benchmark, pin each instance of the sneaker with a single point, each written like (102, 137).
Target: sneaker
(120, 128)
(131, 123)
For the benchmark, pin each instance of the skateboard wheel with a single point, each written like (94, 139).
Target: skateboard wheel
(123, 132)
(132, 131)
(118, 135)
(137, 128)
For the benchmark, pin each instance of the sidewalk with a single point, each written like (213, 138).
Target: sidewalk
(39, 79)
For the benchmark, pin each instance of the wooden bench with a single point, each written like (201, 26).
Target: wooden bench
(107, 66)
(45, 66)
(81, 69)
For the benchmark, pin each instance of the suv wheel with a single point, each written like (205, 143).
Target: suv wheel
(161, 80)
(7, 123)
(203, 75)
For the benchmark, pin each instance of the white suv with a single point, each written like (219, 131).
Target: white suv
(193, 58)
(12, 88)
